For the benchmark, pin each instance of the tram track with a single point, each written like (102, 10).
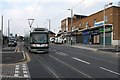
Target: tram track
(54, 74)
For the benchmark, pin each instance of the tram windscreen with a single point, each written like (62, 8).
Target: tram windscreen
(39, 38)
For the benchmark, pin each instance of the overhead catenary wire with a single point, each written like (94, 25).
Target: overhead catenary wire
(56, 17)
(35, 11)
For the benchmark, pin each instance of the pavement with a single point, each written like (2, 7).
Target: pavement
(10, 55)
(95, 47)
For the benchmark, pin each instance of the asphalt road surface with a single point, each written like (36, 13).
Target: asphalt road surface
(68, 63)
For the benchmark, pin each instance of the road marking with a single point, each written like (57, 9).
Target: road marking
(26, 76)
(53, 73)
(81, 60)
(16, 75)
(24, 66)
(71, 67)
(54, 50)
(61, 53)
(21, 69)
(16, 72)
(17, 66)
(25, 72)
(24, 69)
(109, 70)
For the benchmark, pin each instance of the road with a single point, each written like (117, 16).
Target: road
(65, 62)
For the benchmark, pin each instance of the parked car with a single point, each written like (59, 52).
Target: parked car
(52, 39)
(59, 40)
(12, 43)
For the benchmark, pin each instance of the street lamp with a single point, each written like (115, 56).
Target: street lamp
(9, 28)
(104, 17)
(49, 23)
(71, 23)
(49, 28)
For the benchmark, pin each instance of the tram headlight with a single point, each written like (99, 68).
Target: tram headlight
(33, 45)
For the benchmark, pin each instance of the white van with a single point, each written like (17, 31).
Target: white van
(59, 40)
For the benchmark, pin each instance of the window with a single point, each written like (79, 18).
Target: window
(106, 19)
(94, 21)
(86, 24)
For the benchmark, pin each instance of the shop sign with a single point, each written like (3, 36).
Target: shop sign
(101, 23)
(108, 29)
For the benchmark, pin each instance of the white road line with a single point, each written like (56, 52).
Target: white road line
(24, 66)
(24, 69)
(54, 50)
(63, 54)
(16, 75)
(53, 73)
(58, 53)
(17, 66)
(26, 76)
(81, 60)
(25, 72)
(71, 67)
(109, 70)
(16, 72)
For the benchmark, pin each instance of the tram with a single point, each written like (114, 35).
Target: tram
(37, 40)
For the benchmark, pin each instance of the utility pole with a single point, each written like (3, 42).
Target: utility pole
(9, 28)
(71, 24)
(104, 19)
(49, 28)
(2, 31)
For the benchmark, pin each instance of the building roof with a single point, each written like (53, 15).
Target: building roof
(79, 16)
(106, 9)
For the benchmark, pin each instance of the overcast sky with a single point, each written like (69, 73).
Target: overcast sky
(19, 11)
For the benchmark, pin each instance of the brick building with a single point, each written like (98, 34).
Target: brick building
(90, 29)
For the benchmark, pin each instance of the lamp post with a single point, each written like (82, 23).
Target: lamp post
(71, 23)
(49, 23)
(49, 28)
(104, 17)
(9, 28)
(1, 31)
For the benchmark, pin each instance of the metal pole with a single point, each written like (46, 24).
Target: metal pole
(49, 29)
(8, 29)
(2, 31)
(104, 28)
(71, 24)
(104, 15)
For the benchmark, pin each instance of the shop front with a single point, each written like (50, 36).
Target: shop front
(108, 34)
(79, 37)
(95, 36)
(86, 37)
